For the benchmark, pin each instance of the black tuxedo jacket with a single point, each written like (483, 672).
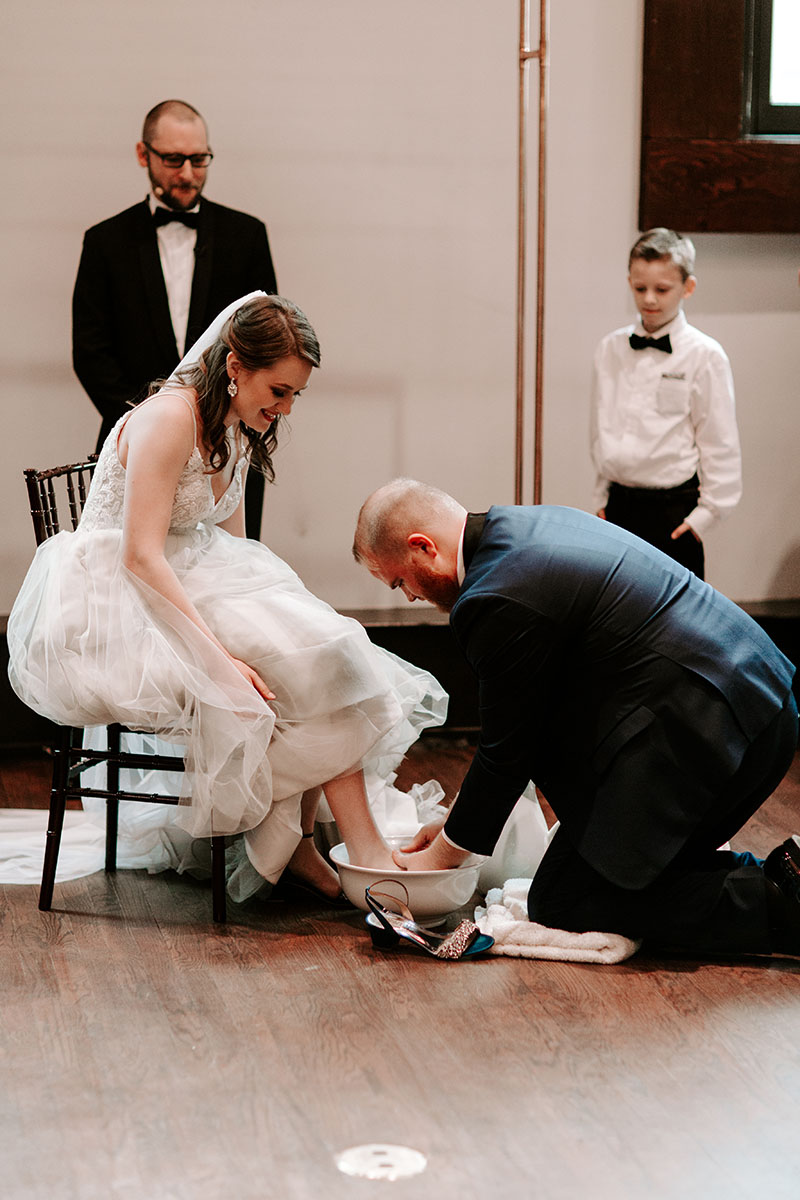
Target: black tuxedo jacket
(625, 687)
(122, 336)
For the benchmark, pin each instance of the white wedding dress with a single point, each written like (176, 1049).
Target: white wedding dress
(90, 643)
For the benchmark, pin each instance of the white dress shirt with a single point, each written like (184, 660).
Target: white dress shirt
(658, 418)
(461, 570)
(176, 243)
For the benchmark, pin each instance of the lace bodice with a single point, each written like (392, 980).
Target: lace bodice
(194, 497)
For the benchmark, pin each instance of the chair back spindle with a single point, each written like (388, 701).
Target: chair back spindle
(45, 492)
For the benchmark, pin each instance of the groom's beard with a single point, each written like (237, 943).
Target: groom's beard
(440, 590)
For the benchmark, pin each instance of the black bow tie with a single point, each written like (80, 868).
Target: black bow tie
(163, 216)
(641, 343)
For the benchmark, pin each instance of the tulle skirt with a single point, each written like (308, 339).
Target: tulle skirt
(90, 644)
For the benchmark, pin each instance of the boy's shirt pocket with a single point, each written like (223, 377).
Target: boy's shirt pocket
(673, 395)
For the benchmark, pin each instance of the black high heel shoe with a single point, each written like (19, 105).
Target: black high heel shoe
(387, 929)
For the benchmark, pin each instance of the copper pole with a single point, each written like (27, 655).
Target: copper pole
(522, 216)
(525, 55)
(540, 249)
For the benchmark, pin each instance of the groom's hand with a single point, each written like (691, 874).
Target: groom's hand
(424, 836)
(439, 855)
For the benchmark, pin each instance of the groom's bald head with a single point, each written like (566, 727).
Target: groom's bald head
(398, 509)
(408, 536)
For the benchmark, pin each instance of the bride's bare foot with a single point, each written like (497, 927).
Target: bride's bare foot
(379, 858)
(308, 865)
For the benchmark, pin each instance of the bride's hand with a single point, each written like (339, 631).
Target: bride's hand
(253, 678)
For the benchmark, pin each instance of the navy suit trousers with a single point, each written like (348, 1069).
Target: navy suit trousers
(705, 900)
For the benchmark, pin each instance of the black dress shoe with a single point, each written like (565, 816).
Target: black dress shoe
(782, 878)
(782, 866)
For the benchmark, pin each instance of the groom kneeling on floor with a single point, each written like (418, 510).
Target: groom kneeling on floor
(654, 714)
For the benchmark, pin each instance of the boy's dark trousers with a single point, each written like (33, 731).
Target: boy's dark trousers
(653, 513)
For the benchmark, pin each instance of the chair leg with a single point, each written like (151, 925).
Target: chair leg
(112, 822)
(112, 806)
(218, 895)
(55, 823)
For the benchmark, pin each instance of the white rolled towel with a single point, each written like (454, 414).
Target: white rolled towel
(505, 918)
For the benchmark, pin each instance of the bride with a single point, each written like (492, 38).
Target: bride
(159, 614)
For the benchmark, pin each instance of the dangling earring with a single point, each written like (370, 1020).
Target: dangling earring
(233, 388)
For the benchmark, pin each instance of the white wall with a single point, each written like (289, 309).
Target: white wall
(378, 141)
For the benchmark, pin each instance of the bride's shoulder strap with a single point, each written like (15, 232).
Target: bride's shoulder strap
(122, 423)
(179, 394)
(193, 411)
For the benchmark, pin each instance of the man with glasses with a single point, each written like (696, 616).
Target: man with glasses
(153, 277)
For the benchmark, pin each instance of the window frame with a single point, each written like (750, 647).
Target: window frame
(701, 170)
(761, 116)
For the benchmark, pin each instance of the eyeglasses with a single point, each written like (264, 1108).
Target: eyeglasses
(176, 161)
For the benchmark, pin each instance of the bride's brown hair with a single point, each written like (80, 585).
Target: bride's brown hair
(259, 333)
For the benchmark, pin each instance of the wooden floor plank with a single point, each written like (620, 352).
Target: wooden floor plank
(147, 1052)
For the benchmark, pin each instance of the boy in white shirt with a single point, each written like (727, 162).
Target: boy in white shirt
(664, 439)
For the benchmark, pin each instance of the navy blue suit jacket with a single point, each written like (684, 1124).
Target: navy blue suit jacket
(623, 686)
(122, 336)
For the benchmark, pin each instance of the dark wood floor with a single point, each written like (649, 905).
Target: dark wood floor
(147, 1053)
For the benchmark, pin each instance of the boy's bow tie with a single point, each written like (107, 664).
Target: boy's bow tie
(641, 343)
(162, 216)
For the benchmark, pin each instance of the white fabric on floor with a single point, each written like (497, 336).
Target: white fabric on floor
(505, 918)
(22, 836)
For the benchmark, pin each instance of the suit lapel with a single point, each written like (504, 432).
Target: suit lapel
(201, 280)
(155, 291)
